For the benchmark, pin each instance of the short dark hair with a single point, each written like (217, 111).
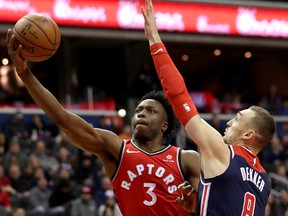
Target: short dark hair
(172, 121)
(264, 123)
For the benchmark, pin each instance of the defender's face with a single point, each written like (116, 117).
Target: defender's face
(238, 126)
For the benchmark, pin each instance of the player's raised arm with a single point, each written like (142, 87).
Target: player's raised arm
(206, 137)
(81, 133)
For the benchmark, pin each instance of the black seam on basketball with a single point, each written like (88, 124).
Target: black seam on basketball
(15, 31)
(53, 44)
(34, 57)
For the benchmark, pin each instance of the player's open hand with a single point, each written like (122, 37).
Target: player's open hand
(151, 30)
(188, 197)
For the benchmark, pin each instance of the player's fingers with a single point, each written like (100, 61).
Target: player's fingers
(184, 184)
(191, 191)
(179, 201)
(18, 49)
(150, 6)
(143, 11)
(186, 190)
(8, 37)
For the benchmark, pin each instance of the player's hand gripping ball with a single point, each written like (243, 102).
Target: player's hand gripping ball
(39, 36)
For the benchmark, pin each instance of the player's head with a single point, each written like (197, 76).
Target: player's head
(254, 125)
(160, 102)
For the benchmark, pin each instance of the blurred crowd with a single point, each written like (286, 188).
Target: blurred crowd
(43, 174)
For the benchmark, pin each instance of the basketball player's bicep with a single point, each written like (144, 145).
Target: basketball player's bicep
(192, 164)
(108, 143)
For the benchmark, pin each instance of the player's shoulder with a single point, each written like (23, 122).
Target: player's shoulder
(190, 161)
(190, 154)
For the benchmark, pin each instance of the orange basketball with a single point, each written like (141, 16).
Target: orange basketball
(39, 35)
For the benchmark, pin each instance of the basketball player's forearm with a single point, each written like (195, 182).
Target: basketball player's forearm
(173, 84)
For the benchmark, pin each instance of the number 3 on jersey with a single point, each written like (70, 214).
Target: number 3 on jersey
(249, 205)
(150, 192)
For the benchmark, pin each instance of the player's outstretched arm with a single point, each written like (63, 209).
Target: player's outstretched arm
(206, 137)
(81, 133)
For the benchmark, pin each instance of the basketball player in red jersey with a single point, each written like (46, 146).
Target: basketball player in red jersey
(145, 173)
(232, 182)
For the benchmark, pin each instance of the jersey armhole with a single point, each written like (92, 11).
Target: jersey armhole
(180, 164)
(121, 153)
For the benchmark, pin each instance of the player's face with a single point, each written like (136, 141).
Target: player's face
(238, 127)
(149, 119)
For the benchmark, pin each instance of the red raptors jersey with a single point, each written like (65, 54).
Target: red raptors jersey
(146, 183)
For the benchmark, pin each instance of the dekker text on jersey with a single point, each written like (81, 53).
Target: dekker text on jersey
(249, 174)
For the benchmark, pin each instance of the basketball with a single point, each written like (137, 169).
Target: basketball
(39, 36)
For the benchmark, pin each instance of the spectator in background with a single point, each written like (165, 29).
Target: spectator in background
(272, 154)
(16, 127)
(40, 173)
(85, 170)
(19, 196)
(117, 124)
(281, 170)
(4, 180)
(283, 135)
(286, 164)
(39, 198)
(5, 204)
(62, 140)
(232, 101)
(36, 175)
(143, 82)
(64, 175)
(109, 211)
(126, 132)
(183, 140)
(48, 162)
(65, 160)
(60, 199)
(283, 205)
(85, 205)
(92, 179)
(286, 212)
(100, 193)
(216, 106)
(33, 164)
(271, 208)
(105, 123)
(3, 146)
(14, 155)
(38, 129)
(19, 212)
(217, 124)
(283, 110)
(109, 204)
(272, 101)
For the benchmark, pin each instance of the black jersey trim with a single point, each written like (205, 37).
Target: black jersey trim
(180, 164)
(120, 159)
(151, 153)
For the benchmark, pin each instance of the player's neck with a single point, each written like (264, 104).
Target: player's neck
(149, 146)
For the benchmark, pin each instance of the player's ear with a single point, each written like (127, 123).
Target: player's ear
(249, 134)
(164, 126)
